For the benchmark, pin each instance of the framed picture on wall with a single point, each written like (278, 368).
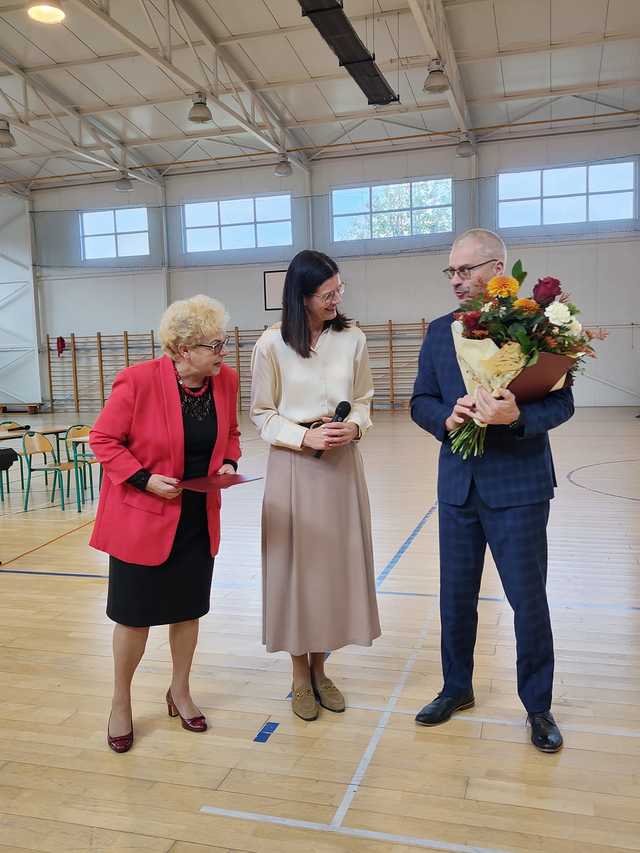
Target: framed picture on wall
(273, 286)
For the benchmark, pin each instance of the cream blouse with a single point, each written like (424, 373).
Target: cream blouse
(288, 390)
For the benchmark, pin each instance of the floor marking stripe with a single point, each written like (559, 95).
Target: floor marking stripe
(408, 542)
(407, 840)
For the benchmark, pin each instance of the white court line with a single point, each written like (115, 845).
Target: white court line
(336, 823)
(517, 724)
(376, 737)
(407, 840)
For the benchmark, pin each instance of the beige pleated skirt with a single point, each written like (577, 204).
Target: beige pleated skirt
(318, 584)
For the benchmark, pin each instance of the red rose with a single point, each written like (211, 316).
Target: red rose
(546, 290)
(470, 320)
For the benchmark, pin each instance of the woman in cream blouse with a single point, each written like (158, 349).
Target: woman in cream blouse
(317, 557)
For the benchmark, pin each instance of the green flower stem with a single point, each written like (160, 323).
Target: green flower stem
(468, 440)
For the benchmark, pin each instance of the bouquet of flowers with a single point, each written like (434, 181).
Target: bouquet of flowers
(528, 345)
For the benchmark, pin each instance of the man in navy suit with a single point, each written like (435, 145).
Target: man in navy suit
(500, 499)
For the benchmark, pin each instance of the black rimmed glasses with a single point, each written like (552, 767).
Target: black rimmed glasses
(465, 270)
(216, 346)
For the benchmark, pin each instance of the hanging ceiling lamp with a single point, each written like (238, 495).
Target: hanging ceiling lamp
(200, 112)
(465, 148)
(283, 167)
(437, 81)
(124, 184)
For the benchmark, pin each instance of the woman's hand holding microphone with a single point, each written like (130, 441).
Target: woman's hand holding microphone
(330, 435)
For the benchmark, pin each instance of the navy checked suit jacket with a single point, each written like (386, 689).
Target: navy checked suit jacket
(516, 468)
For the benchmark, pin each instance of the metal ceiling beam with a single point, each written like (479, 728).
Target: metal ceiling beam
(462, 57)
(406, 63)
(432, 26)
(173, 71)
(225, 40)
(85, 152)
(379, 114)
(105, 138)
(257, 100)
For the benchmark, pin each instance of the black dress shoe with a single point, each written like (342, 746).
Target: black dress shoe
(545, 734)
(442, 707)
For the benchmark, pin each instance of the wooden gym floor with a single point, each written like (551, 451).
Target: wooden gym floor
(368, 780)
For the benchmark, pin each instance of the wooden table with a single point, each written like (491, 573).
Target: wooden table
(47, 429)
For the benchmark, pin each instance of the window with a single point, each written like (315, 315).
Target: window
(407, 209)
(598, 192)
(240, 223)
(121, 233)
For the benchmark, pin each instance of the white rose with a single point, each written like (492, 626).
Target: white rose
(575, 328)
(486, 308)
(558, 313)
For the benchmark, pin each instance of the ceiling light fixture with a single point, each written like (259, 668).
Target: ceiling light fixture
(200, 112)
(436, 81)
(124, 184)
(283, 167)
(465, 148)
(49, 12)
(7, 139)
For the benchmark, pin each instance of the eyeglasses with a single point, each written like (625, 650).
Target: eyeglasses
(332, 296)
(217, 347)
(465, 270)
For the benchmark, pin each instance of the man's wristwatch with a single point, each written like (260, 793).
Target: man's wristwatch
(517, 423)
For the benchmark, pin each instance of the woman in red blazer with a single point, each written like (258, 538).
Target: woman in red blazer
(167, 420)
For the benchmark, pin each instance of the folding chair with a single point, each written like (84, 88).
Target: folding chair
(34, 443)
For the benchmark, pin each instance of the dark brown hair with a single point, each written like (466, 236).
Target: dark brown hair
(307, 272)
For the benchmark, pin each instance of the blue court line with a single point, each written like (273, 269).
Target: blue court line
(558, 605)
(408, 542)
(265, 732)
(52, 574)
(434, 595)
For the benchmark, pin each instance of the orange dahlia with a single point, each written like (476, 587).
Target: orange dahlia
(502, 285)
(529, 306)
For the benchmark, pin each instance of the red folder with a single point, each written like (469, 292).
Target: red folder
(217, 481)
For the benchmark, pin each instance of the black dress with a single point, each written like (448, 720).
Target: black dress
(180, 588)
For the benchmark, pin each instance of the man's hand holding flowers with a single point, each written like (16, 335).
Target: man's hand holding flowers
(496, 411)
(463, 411)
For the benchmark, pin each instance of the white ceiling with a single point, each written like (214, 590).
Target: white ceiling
(107, 87)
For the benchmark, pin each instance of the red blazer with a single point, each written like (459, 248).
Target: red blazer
(141, 427)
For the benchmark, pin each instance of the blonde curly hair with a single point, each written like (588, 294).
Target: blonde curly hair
(191, 321)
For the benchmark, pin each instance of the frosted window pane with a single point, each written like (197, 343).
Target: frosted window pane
(354, 200)
(202, 213)
(133, 244)
(564, 181)
(98, 222)
(131, 219)
(611, 176)
(99, 247)
(610, 206)
(274, 234)
(238, 237)
(560, 210)
(273, 207)
(515, 214)
(518, 185)
(203, 240)
(236, 210)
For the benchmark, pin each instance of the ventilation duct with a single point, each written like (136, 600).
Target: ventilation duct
(328, 17)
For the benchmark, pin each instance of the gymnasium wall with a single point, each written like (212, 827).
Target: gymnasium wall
(599, 271)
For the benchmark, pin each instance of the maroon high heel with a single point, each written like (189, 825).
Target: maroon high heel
(195, 724)
(121, 743)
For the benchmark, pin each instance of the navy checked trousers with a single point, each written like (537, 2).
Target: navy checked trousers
(517, 538)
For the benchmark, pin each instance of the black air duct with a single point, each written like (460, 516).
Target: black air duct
(328, 17)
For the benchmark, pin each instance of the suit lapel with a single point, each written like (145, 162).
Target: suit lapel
(223, 428)
(172, 414)
(453, 368)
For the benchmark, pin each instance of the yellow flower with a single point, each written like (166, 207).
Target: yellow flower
(529, 306)
(502, 285)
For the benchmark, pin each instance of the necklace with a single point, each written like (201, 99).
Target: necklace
(191, 392)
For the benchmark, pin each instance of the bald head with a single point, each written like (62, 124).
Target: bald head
(485, 244)
(476, 256)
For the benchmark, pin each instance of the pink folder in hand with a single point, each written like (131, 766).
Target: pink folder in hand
(217, 481)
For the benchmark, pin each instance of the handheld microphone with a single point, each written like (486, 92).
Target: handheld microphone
(342, 413)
